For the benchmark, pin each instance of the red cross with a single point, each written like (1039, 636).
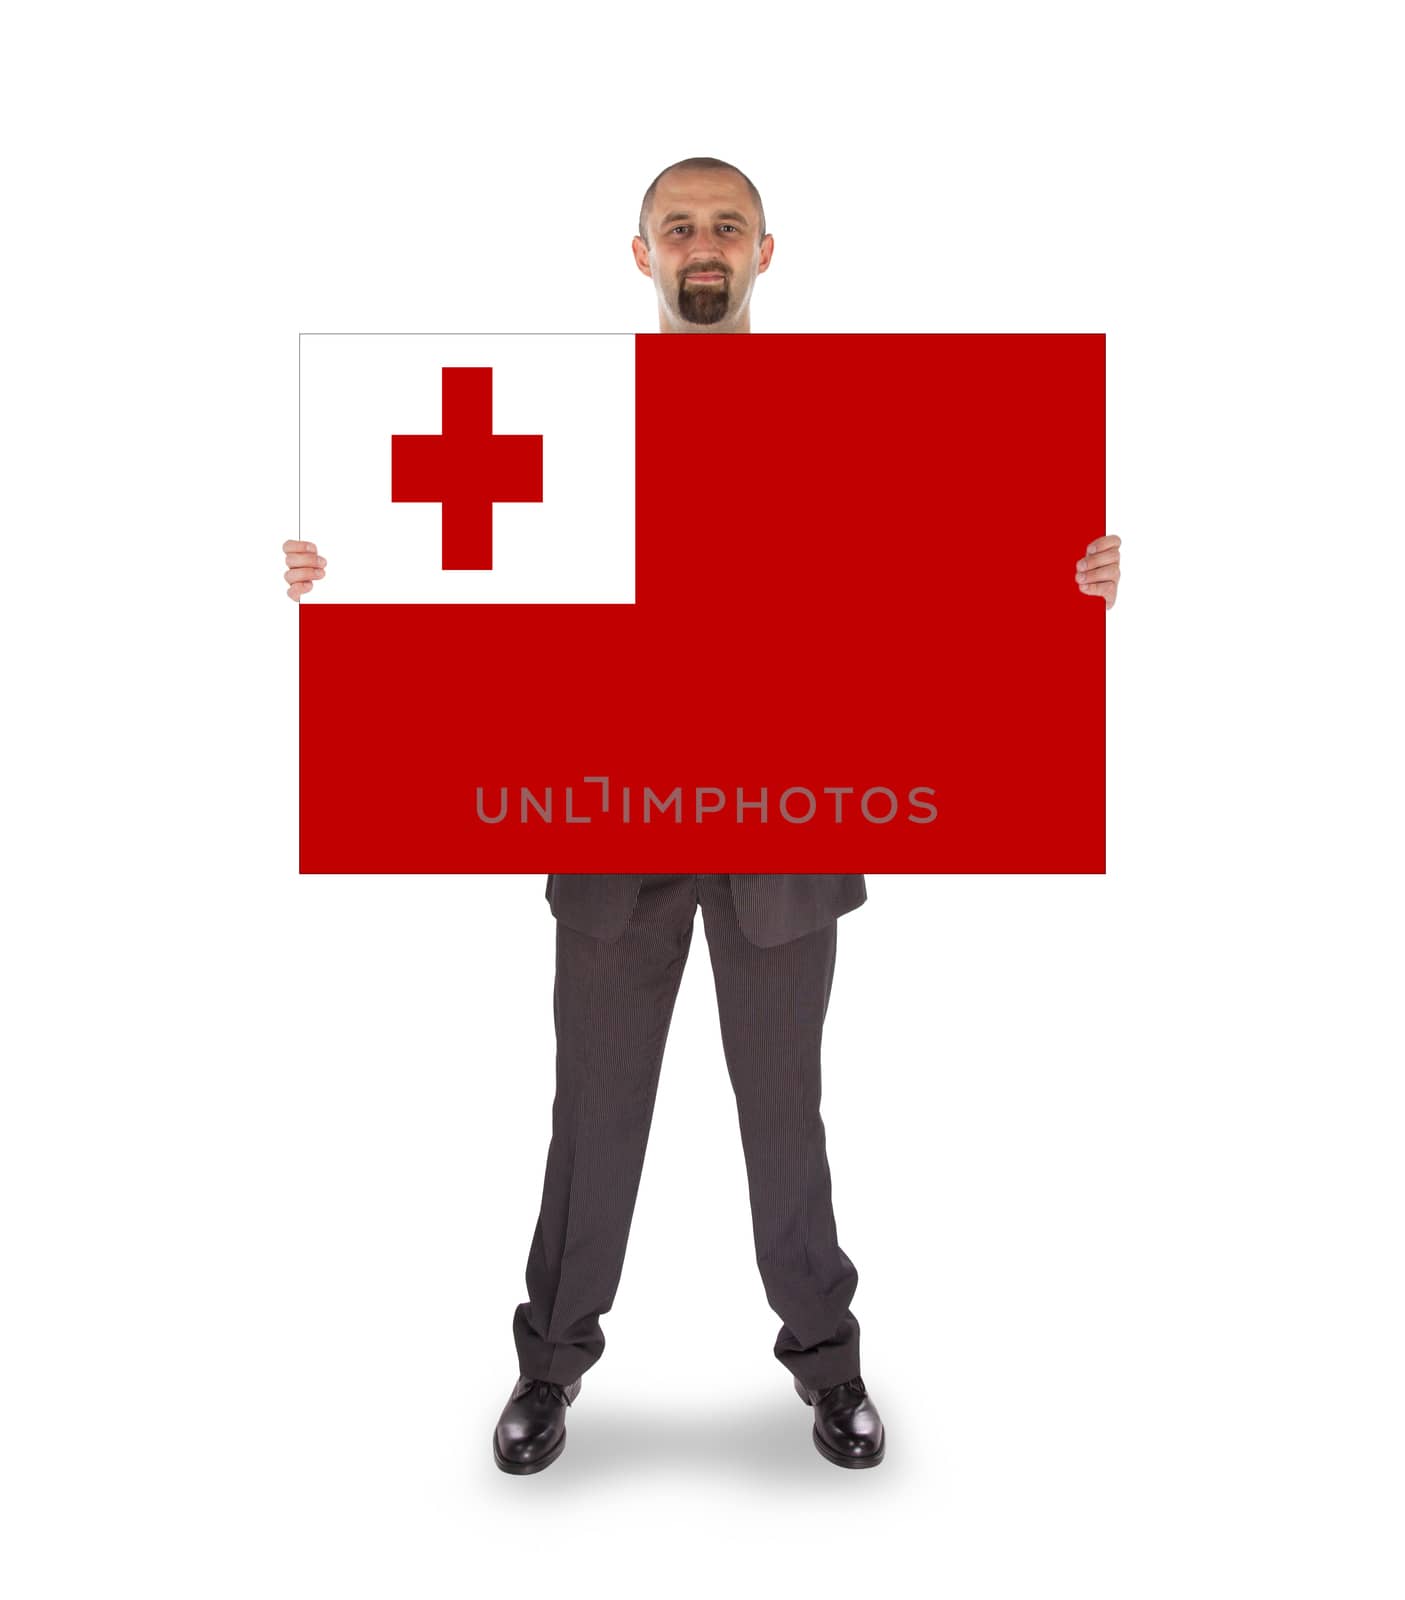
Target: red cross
(466, 468)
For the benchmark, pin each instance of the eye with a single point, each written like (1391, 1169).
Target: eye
(731, 225)
(677, 226)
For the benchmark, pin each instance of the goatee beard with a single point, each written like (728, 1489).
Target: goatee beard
(708, 303)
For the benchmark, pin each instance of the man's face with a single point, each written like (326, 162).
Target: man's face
(705, 247)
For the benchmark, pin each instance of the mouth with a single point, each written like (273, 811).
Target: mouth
(704, 277)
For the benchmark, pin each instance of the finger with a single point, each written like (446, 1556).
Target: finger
(303, 574)
(297, 590)
(299, 547)
(1104, 589)
(1109, 541)
(307, 561)
(1104, 558)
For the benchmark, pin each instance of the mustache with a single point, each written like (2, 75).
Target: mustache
(704, 267)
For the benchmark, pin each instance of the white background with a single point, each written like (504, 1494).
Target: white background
(1118, 1159)
(575, 544)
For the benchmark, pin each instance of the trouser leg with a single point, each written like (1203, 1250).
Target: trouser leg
(612, 1003)
(772, 1005)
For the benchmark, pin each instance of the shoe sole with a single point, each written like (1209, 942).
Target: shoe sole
(520, 1468)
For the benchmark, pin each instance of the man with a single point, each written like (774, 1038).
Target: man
(622, 940)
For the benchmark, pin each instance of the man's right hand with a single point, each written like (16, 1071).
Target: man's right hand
(305, 566)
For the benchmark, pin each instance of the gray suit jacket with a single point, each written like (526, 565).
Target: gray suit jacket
(772, 907)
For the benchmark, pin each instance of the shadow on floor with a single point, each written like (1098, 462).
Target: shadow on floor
(769, 1443)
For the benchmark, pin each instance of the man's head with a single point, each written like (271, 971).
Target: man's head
(702, 239)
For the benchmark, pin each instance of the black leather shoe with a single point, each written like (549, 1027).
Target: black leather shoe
(531, 1431)
(848, 1430)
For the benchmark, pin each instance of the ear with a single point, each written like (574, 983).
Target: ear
(767, 245)
(641, 256)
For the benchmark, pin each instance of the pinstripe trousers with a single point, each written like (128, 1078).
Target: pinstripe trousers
(612, 1003)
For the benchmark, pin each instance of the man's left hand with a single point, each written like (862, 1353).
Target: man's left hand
(1099, 570)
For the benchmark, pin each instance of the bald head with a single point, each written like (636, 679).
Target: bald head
(700, 164)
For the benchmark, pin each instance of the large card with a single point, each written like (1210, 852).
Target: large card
(772, 603)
